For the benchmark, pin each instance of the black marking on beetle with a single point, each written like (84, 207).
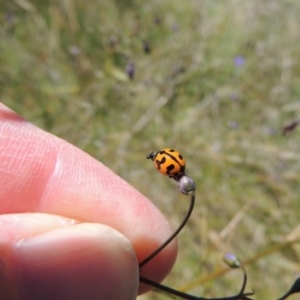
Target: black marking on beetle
(170, 167)
(160, 162)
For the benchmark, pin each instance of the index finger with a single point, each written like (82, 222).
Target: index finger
(42, 173)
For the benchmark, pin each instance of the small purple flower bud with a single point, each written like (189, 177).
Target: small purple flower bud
(146, 47)
(157, 21)
(130, 70)
(239, 60)
(9, 17)
(74, 50)
(231, 260)
(113, 41)
(186, 185)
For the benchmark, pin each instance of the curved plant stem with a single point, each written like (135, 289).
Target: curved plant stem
(239, 296)
(244, 283)
(152, 255)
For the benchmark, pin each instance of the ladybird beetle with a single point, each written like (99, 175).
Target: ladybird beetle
(168, 162)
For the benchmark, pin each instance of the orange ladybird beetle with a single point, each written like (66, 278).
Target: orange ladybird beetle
(168, 162)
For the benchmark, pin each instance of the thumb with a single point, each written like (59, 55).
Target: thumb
(49, 257)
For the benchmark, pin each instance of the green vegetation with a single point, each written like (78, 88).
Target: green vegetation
(216, 80)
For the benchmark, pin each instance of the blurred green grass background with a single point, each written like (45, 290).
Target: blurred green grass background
(216, 80)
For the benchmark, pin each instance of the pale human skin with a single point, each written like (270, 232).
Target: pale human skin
(70, 227)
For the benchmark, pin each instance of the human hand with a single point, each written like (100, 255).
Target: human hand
(70, 227)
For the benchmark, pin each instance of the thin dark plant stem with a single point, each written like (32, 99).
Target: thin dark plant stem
(153, 254)
(168, 289)
(244, 283)
(285, 296)
(240, 296)
(293, 290)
